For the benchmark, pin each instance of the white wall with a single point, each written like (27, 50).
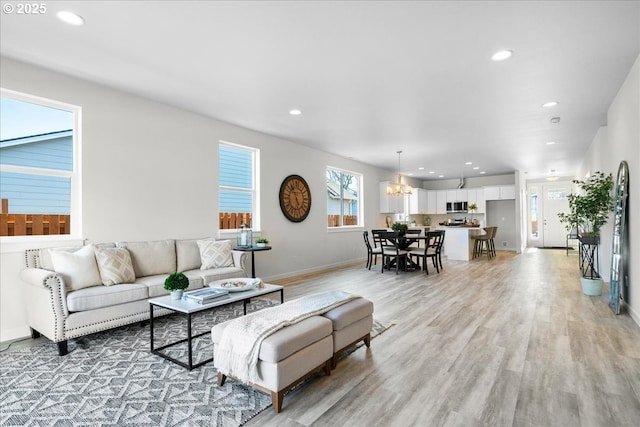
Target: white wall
(150, 172)
(620, 140)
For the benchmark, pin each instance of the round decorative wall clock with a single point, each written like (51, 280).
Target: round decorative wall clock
(295, 198)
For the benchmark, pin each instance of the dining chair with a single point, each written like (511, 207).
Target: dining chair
(408, 236)
(372, 253)
(434, 250)
(391, 251)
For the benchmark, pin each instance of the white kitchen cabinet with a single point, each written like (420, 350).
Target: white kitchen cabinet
(476, 195)
(500, 192)
(507, 192)
(390, 203)
(457, 195)
(418, 201)
(432, 202)
(441, 202)
(480, 201)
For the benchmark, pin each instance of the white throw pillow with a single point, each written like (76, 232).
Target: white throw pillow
(214, 254)
(115, 266)
(79, 269)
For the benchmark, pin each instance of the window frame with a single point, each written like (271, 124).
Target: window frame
(360, 200)
(75, 175)
(255, 183)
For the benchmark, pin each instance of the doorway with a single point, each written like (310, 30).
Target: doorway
(545, 201)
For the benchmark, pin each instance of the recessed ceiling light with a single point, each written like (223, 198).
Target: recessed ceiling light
(550, 104)
(70, 18)
(421, 168)
(550, 142)
(482, 173)
(501, 55)
(475, 168)
(468, 163)
(295, 112)
(555, 120)
(440, 176)
(432, 172)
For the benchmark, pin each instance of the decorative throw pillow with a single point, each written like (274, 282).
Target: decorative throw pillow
(115, 266)
(214, 254)
(79, 268)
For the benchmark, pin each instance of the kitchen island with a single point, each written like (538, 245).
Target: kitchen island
(458, 244)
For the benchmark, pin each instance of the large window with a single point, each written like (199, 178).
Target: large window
(39, 171)
(343, 198)
(238, 196)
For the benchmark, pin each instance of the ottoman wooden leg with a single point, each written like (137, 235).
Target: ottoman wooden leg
(221, 378)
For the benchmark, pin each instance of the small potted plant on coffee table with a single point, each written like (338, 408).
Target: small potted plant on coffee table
(261, 242)
(176, 283)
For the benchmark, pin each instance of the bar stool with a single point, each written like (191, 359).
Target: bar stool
(484, 242)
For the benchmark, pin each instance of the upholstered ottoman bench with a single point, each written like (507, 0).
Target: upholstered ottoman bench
(351, 322)
(288, 356)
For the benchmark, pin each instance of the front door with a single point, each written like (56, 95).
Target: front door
(546, 201)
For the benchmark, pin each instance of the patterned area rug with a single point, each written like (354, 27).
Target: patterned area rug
(111, 378)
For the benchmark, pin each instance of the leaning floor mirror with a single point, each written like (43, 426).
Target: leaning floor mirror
(619, 282)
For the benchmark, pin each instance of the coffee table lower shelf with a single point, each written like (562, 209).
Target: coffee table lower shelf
(189, 308)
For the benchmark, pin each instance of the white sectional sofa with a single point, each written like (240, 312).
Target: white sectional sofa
(72, 292)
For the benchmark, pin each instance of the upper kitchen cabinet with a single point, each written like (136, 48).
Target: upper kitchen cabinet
(418, 202)
(390, 203)
(476, 195)
(500, 192)
(457, 195)
(441, 202)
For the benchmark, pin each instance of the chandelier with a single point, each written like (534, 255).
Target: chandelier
(398, 188)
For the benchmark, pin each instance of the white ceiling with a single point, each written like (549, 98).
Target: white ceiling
(370, 77)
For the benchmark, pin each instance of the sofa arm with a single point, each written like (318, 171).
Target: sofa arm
(240, 260)
(46, 301)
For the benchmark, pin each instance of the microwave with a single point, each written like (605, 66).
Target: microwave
(456, 207)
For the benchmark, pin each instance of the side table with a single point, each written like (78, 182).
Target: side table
(253, 250)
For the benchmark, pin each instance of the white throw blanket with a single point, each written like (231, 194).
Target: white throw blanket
(239, 348)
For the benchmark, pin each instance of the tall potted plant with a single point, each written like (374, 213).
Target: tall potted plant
(589, 211)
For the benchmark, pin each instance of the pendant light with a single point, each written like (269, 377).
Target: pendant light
(398, 188)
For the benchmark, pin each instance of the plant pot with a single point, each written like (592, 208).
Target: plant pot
(591, 287)
(260, 245)
(177, 294)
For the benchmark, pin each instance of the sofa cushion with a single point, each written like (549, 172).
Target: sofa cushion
(214, 254)
(154, 257)
(350, 312)
(105, 296)
(188, 254)
(79, 269)
(45, 256)
(115, 266)
(155, 284)
(286, 341)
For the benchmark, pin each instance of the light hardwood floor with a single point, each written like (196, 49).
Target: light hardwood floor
(507, 342)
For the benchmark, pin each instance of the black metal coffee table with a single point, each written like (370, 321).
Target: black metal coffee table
(188, 308)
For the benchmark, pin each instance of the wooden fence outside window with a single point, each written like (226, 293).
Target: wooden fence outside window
(231, 220)
(334, 220)
(32, 224)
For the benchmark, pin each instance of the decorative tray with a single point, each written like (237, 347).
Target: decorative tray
(236, 284)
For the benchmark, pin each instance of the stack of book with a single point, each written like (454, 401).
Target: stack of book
(205, 296)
